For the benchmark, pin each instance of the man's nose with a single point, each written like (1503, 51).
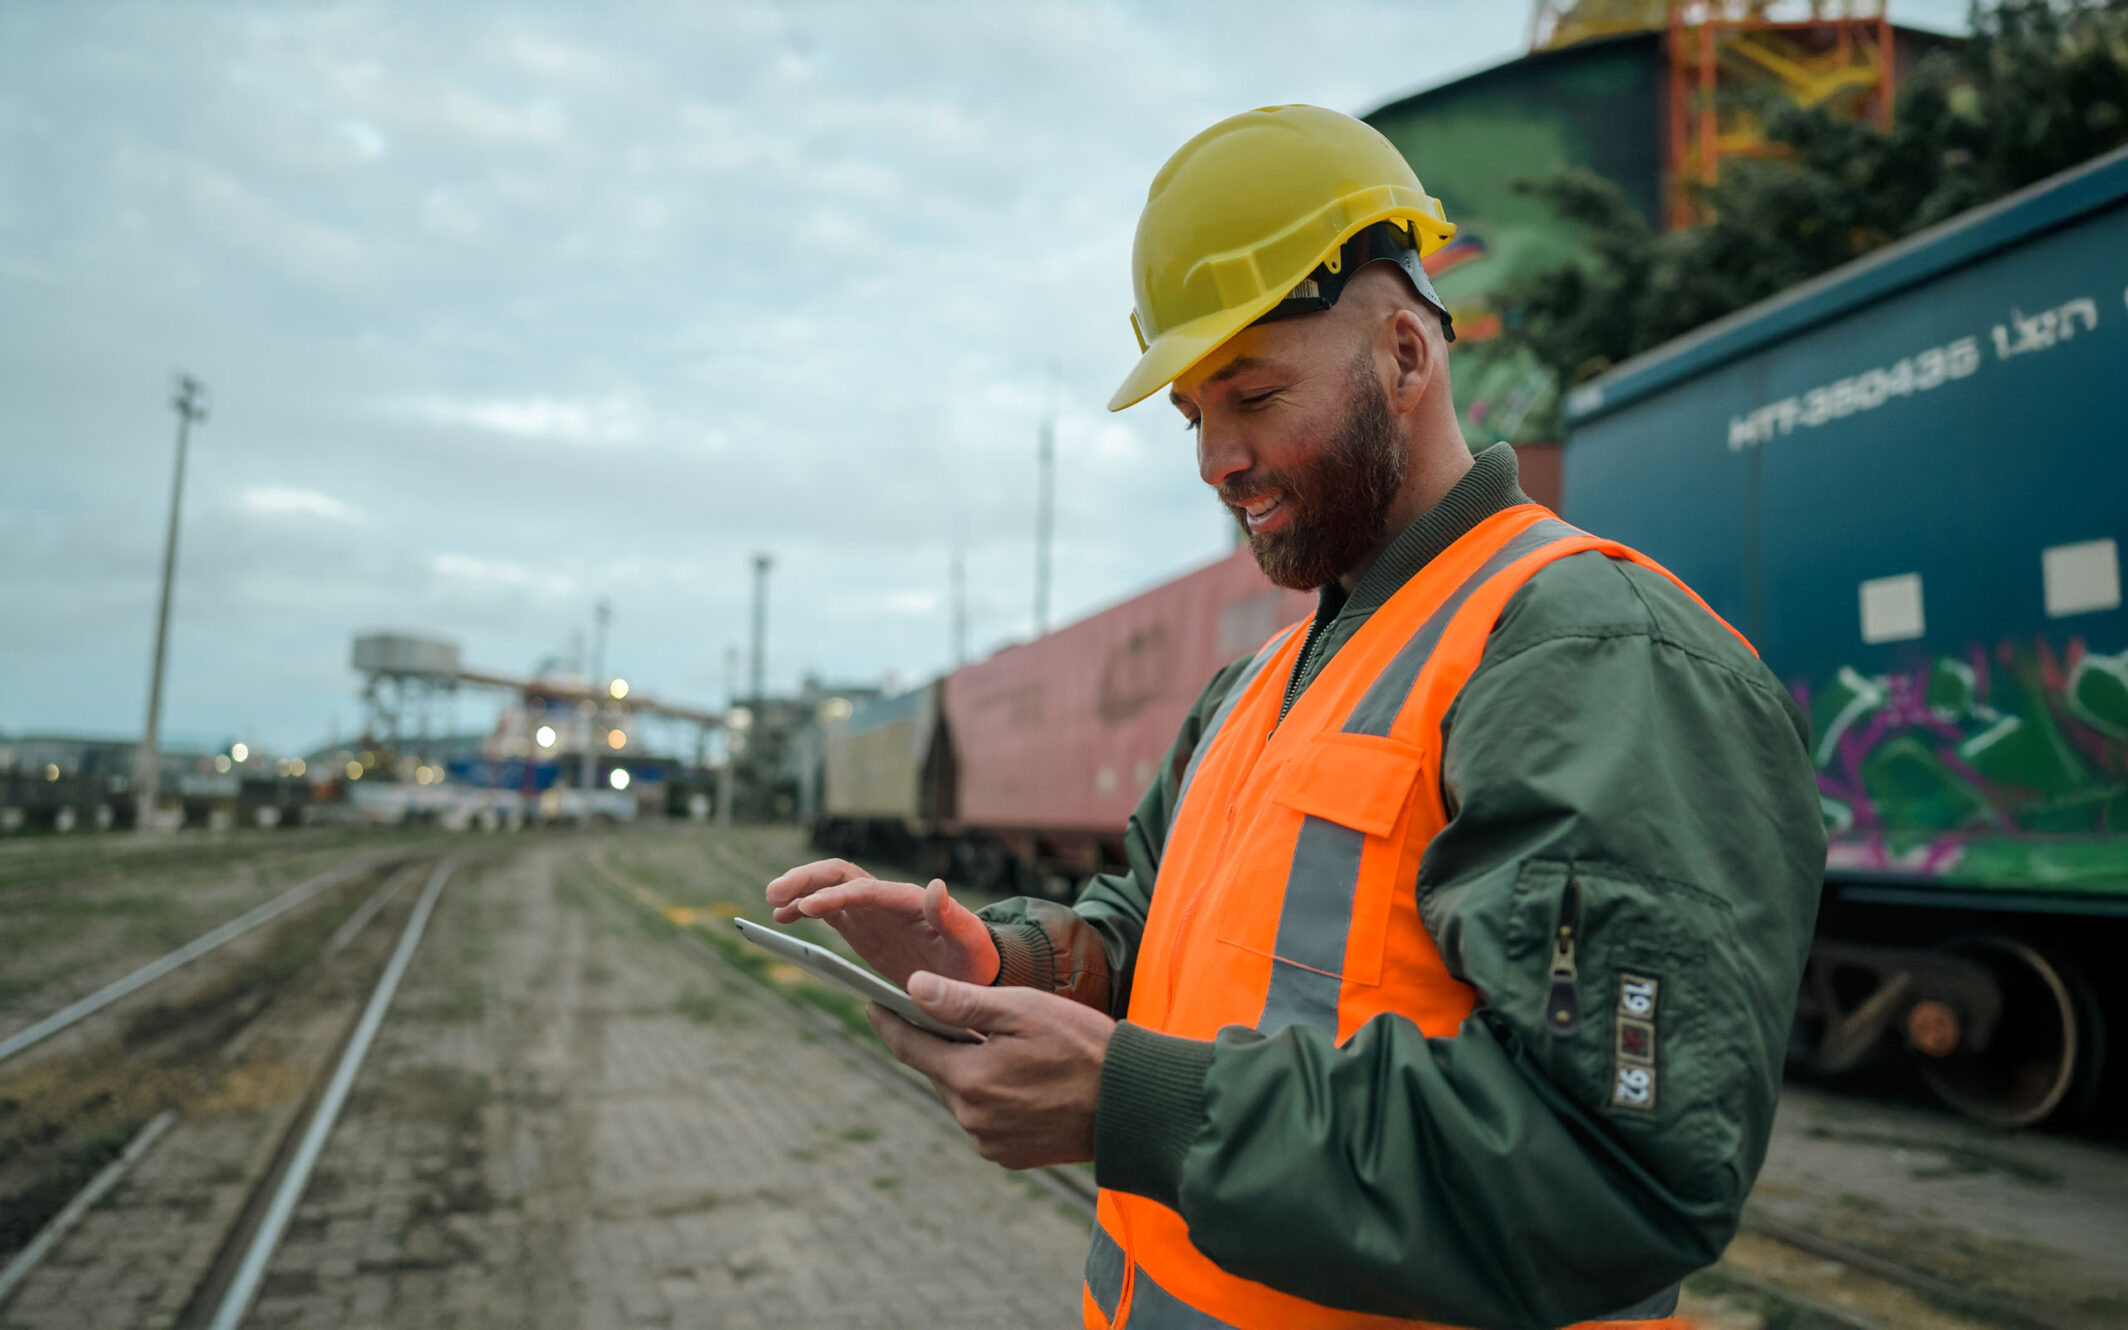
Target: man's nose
(1221, 454)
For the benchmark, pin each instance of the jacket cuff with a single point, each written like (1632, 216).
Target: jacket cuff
(1025, 958)
(1152, 1107)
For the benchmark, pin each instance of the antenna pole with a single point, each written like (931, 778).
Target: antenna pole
(190, 403)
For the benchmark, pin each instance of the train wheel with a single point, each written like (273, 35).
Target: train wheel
(2044, 1054)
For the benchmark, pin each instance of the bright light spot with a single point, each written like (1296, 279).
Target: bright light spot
(544, 735)
(618, 778)
(836, 708)
(421, 775)
(221, 762)
(295, 766)
(51, 771)
(619, 689)
(738, 718)
(616, 738)
(354, 771)
(240, 752)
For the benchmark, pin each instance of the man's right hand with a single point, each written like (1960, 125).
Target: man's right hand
(898, 927)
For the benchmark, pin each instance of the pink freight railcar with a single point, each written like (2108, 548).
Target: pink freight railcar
(1023, 768)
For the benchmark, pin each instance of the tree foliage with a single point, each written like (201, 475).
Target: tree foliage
(2040, 86)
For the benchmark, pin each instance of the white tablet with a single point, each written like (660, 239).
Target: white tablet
(854, 978)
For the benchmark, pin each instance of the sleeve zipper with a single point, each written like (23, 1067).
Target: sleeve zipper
(1562, 1000)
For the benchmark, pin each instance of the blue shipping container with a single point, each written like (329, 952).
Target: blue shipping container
(1907, 484)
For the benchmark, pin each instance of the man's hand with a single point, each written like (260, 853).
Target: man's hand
(898, 927)
(1027, 1093)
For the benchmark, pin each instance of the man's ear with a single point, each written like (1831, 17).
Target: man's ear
(1416, 358)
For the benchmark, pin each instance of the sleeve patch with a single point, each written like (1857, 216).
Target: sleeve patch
(1633, 1066)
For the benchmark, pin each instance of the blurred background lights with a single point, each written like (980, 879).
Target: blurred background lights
(240, 752)
(619, 689)
(544, 736)
(618, 778)
(616, 738)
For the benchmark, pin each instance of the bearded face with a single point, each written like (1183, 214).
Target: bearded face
(1340, 501)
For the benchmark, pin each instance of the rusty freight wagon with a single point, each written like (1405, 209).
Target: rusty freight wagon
(1020, 771)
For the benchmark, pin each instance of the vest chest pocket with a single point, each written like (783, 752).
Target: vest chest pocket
(1314, 889)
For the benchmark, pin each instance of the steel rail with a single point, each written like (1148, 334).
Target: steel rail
(63, 1223)
(191, 951)
(236, 1299)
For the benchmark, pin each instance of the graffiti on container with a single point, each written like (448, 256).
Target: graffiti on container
(1016, 705)
(2006, 765)
(1135, 673)
(2044, 329)
(1922, 372)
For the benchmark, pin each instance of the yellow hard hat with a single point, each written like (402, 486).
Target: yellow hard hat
(1252, 218)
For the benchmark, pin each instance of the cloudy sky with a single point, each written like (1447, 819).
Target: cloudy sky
(505, 309)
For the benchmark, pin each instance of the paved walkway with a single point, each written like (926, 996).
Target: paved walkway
(570, 1121)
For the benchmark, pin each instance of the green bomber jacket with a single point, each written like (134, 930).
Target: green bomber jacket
(1617, 760)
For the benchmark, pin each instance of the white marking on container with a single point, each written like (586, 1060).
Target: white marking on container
(2081, 577)
(1891, 608)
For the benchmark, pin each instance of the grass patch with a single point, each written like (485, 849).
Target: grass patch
(71, 1168)
(886, 1182)
(469, 999)
(1776, 1312)
(700, 1007)
(846, 1011)
(860, 1133)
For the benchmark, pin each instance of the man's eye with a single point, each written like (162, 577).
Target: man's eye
(1258, 399)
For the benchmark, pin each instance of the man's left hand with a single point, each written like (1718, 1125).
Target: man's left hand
(1026, 1094)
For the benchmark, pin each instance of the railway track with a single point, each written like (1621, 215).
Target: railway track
(220, 1069)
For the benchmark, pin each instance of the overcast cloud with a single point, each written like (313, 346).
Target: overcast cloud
(505, 309)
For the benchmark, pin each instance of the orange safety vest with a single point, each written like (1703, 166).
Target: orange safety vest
(1286, 888)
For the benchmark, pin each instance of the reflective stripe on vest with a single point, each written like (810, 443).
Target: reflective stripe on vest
(1308, 966)
(1286, 892)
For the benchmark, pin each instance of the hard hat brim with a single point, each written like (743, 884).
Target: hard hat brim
(1174, 352)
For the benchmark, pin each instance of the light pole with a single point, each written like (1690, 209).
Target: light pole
(190, 403)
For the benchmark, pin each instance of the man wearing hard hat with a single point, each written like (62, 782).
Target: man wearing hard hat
(1452, 974)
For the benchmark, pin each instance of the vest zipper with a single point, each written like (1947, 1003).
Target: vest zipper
(1562, 1001)
(1316, 627)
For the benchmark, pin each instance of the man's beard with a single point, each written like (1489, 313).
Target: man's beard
(1340, 504)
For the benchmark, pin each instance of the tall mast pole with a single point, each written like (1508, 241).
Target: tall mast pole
(190, 404)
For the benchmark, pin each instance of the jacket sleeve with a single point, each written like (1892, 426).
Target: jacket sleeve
(1654, 790)
(1086, 950)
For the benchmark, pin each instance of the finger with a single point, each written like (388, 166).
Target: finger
(935, 902)
(901, 897)
(806, 878)
(971, 1006)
